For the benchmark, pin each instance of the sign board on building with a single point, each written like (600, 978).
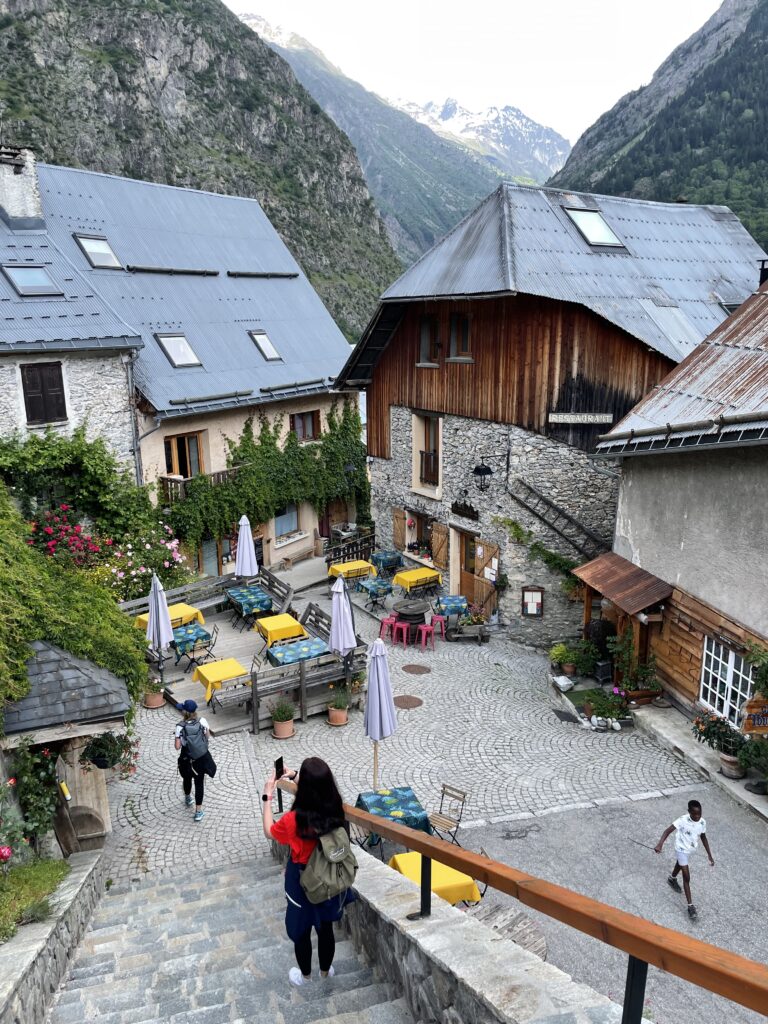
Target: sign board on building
(755, 721)
(533, 602)
(581, 417)
(466, 511)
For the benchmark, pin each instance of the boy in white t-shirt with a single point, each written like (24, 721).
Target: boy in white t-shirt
(687, 830)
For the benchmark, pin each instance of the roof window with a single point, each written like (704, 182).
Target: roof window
(594, 228)
(178, 350)
(730, 307)
(98, 252)
(265, 346)
(31, 280)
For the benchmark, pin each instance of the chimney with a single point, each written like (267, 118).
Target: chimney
(763, 271)
(20, 205)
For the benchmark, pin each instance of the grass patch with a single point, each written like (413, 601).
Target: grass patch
(24, 891)
(578, 697)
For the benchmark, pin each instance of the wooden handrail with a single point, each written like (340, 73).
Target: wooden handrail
(717, 970)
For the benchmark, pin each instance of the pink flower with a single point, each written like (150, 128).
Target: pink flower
(120, 575)
(108, 542)
(48, 529)
(64, 508)
(78, 528)
(5, 854)
(11, 782)
(166, 564)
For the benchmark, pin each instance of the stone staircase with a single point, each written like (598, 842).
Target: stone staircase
(209, 949)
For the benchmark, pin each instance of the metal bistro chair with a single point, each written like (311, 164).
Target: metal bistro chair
(367, 840)
(208, 647)
(447, 819)
(202, 651)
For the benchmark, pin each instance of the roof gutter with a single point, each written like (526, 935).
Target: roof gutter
(716, 423)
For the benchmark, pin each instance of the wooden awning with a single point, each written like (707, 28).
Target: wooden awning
(631, 588)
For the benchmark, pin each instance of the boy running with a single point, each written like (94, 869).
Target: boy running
(687, 830)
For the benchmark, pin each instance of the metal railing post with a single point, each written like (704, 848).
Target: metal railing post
(425, 908)
(634, 992)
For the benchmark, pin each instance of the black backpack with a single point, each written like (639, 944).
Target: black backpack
(196, 742)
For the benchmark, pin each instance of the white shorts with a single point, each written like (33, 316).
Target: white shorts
(682, 857)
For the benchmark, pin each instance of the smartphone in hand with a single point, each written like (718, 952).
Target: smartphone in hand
(279, 769)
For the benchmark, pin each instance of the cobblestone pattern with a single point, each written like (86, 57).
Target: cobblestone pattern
(487, 725)
(559, 471)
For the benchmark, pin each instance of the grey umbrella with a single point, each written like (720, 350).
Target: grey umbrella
(380, 718)
(159, 629)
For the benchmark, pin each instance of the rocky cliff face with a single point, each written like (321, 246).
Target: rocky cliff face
(180, 91)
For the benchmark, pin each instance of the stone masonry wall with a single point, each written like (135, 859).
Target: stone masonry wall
(96, 392)
(562, 473)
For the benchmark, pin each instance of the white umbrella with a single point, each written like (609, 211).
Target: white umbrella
(380, 719)
(343, 639)
(159, 629)
(245, 562)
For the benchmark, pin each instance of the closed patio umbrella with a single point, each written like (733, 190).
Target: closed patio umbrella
(343, 639)
(159, 629)
(245, 561)
(380, 719)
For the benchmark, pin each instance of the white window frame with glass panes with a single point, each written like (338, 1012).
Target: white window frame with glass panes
(726, 680)
(177, 349)
(98, 252)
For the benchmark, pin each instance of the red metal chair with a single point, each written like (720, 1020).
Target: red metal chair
(439, 620)
(424, 633)
(400, 629)
(387, 626)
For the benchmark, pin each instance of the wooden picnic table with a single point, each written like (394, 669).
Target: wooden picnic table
(180, 615)
(214, 673)
(279, 627)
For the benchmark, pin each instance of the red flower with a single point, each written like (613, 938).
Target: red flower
(64, 508)
(11, 782)
(108, 542)
(78, 528)
(5, 854)
(46, 752)
(48, 529)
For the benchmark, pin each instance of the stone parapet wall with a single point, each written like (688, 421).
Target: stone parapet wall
(35, 960)
(452, 969)
(560, 472)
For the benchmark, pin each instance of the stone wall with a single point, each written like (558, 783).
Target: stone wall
(35, 960)
(562, 473)
(96, 393)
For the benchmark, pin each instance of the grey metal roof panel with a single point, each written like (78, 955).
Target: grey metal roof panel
(65, 689)
(676, 256)
(162, 226)
(79, 319)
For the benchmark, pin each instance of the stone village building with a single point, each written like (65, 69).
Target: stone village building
(499, 357)
(164, 318)
(691, 529)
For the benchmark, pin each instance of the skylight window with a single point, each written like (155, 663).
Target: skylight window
(31, 280)
(178, 350)
(730, 307)
(265, 346)
(594, 228)
(98, 252)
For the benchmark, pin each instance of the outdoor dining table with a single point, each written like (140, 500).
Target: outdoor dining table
(181, 614)
(352, 570)
(387, 560)
(185, 638)
(297, 650)
(449, 884)
(249, 599)
(280, 627)
(409, 579)
(214, 673)
(451, 604)
(377, 591)
(397, 803)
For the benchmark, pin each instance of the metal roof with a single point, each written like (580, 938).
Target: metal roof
(665, 286)
(628, 586)
(77, 320)
(159, 226)
(716, 397)
(65, 689)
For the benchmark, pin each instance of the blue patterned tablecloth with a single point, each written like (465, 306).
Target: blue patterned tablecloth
(297, 650)
(399, 804)
(378, 587)
(387, 559)
(451, 604)
(250, 599)
(185, 637)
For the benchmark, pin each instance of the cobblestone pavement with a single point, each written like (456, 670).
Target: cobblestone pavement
(487, 725)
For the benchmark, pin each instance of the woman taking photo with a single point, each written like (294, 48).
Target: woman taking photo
(317, 809)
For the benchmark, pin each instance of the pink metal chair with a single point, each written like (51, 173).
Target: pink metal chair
(400, 630)
(439, 620)
(387, 626)
(426, 633)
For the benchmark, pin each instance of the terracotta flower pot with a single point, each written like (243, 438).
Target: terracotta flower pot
(282, 730)
(730, 767)
(154, 700)
(588, 709)
(337, 716)
(569, 669)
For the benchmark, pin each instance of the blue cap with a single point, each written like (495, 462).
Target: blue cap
(187, 705)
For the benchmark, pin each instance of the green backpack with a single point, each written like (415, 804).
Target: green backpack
(331, 867)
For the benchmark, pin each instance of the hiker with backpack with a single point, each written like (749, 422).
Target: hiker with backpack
(195, 761)
(321, 866)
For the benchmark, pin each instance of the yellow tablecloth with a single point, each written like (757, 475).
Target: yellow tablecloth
(214, 673)
(280, 627)
(413, 577)
(447, 883)
(180, 615)
(353, 569)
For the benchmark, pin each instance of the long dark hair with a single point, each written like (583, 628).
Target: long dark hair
(318, 803)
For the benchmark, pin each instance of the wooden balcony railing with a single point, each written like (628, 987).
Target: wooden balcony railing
(429, 468)
(709, 967)
(174, 489)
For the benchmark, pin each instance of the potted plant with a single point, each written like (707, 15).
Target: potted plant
(283, 712)
(718, 733)
(110, 751)
(154, 696)
(757, 657)
(558, 653)
(338, 709)
(584, 655)
(753, 756)
(611, 706)
(639, 681)
(502, 582)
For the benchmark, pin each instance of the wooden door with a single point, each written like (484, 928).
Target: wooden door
(440, 545)
(486, 557)
(398, 529)
(467, 566)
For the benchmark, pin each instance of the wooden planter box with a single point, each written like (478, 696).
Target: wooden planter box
(642, 696)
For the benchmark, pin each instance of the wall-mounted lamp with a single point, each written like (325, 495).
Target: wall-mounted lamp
(482, 475)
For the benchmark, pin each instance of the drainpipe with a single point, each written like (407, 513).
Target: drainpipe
(133, 356)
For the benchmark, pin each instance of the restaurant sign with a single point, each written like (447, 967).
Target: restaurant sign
(581, 417)
(461, 508)
(755, 720)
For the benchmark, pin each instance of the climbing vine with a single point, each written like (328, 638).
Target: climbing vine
(553, 560)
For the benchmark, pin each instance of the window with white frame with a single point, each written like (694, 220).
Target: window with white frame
(286, 522)
(726, 680)
(98, 252)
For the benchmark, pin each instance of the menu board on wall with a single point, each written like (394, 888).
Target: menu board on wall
(533, 602)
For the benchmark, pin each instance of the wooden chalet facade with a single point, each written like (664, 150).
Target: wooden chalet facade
(496, 361)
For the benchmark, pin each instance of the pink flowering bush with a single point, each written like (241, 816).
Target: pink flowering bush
(55, 535)
(13, 840)
(129, 565)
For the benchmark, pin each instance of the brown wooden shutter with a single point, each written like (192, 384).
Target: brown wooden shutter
(316, 423)
(53, 386)
(485, 591)
(440, 545)
(34, 399)
(398, 529)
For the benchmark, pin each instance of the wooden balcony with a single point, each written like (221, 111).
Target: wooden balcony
(173, 488)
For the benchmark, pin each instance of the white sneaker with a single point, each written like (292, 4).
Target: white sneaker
(296, 977)
(330, 973)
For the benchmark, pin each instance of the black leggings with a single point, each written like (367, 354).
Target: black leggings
(326, 947)
(187, 775)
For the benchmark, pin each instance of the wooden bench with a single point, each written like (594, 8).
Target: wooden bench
(237, 691)
(210, 593)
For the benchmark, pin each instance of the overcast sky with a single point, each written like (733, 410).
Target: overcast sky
(562, 63)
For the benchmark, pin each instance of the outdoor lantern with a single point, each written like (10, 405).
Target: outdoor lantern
(482, 475)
